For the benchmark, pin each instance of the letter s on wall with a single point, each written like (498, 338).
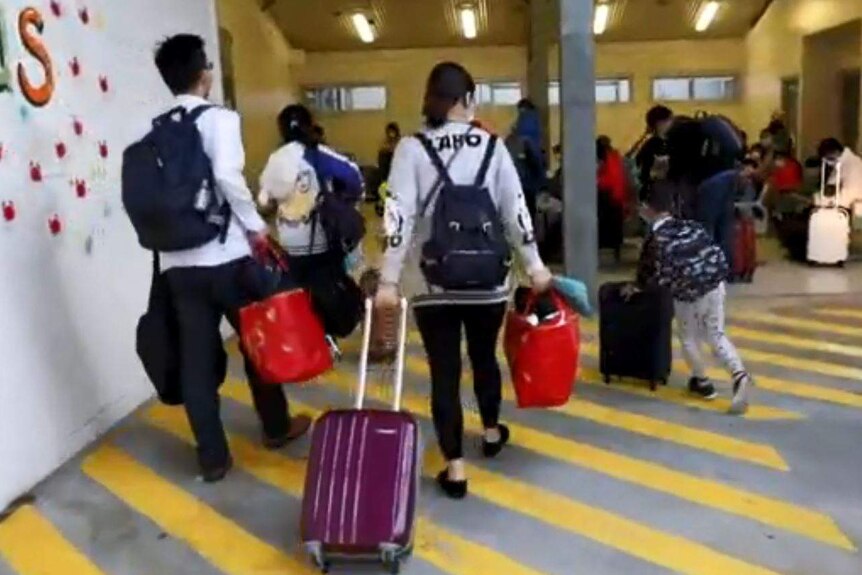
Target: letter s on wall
(37, 95)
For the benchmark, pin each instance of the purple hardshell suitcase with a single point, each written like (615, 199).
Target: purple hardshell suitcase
(361, 483)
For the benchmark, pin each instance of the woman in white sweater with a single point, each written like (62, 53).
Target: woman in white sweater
(463, 287)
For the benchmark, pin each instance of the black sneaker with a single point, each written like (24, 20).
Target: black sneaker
(452, 489)
(702, 388)
(492, 449)
(216, 474)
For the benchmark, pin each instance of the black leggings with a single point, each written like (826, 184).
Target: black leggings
(440, 327)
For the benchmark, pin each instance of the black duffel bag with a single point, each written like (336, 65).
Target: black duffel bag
(158, 341)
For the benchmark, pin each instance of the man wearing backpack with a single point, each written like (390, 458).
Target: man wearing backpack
(184, 190)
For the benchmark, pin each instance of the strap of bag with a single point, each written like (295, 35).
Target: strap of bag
(195, 114)
(429, 148)
(442, 169)
(486, 162)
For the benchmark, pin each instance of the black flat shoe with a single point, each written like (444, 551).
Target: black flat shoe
(452, 489)
(493, 449)
(216, 474)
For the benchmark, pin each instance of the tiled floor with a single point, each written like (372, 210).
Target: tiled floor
(619, 481)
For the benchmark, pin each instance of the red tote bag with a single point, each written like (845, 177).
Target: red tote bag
(543, 359)
(284, 339)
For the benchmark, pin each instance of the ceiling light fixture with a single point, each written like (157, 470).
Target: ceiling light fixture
(600, 19)
(707, 15)
(363, 28)
(468, 22)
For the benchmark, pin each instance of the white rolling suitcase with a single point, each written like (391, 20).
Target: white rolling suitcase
(829, 226)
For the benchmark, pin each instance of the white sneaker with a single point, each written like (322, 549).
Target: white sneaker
(742, 385)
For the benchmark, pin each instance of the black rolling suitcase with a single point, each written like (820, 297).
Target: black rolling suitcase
(635, 335)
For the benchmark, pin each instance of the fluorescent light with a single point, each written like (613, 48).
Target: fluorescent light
(468, 22)
(363, 28)
(600, 20)
(707, 15)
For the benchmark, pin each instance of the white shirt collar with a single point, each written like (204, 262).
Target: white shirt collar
(191, 100)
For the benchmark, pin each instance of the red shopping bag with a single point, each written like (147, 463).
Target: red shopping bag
(543, 358)
(284, 339)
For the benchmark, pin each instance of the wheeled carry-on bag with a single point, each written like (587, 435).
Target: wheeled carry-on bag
(744, 249)
(829, 226)
(635, 334)
(360, 496)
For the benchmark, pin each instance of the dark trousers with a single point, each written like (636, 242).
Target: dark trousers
(715, 210)
(202, 297)
(440, 327)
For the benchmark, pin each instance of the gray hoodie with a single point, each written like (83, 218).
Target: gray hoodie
(413, 178)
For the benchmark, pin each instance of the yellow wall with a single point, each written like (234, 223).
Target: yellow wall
(404, 73)
(775, 51)
(264, 75)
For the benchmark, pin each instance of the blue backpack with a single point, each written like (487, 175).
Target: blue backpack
(168, 186)
(468, 248)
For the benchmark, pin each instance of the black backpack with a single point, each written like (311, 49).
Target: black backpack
(168, 186)
(336, 212)
(468, 248)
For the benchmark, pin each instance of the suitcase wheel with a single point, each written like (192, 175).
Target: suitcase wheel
(320, 561)
(391, 561)
(653, 385)
(607, 378)
(664, 382)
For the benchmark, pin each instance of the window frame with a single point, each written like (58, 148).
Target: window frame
(347, 87)
(620, 78)
(500, 83)
(692, 78)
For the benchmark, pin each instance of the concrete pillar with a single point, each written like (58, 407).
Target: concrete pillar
(578, 106)
(540, 26)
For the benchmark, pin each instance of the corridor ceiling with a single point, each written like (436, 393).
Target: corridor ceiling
(324, 25)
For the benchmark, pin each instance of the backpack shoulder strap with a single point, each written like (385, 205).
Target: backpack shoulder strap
(486, 162)
(193, 115)
(435, 159)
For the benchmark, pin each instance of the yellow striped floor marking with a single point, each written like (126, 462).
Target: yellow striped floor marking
(780, 360)
(772, 384)
(31, 545)
(718, 444)
(801, 323)
(840, 312)
(676, 553)
(434, 544)
(681, 396)
(794, 342)
(630, 537)
(720, 496)
(226, 545)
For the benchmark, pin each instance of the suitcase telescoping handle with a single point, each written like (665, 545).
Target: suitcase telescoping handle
(399, 361)
(824, 180)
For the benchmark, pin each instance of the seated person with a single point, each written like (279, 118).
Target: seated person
(832, 150)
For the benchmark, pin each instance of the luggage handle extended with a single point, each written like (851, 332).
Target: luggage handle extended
(824, 181)
(399, 361)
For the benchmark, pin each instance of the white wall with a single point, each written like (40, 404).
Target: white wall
(69, 303)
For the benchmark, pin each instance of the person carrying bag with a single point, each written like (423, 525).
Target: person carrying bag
(457, 187)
